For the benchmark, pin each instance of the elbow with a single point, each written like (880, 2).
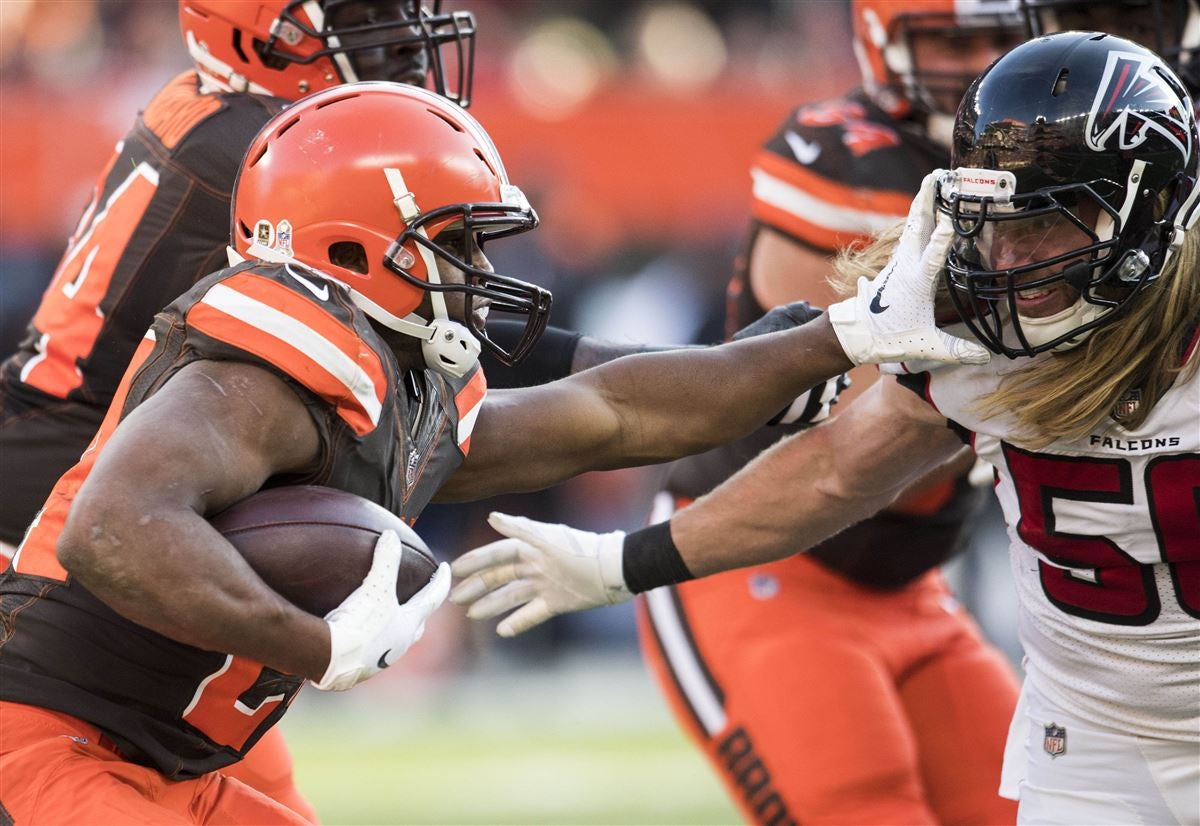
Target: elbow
(78, 548)
(87, 547)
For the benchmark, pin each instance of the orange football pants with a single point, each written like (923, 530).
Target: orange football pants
(268, 768)
(819, 701)
(55, 768)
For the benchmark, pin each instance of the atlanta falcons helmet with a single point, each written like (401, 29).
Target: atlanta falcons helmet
(371, 184)
(1073, 183)
(290, 49)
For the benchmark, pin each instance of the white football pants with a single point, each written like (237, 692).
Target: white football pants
(1066, 771)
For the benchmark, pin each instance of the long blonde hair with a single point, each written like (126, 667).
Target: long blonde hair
(1074, 393)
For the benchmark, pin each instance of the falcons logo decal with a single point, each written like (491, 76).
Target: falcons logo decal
(1134, 101)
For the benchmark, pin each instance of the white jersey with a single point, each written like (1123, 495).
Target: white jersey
(1105, 540)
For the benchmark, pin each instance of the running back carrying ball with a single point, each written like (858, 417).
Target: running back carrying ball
(313, 545)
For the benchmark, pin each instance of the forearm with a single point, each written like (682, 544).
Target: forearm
(814, 484)
(643, 409)
(558, 354)
(677, 403)
(167, 569)
(592, 352)
(787, 500)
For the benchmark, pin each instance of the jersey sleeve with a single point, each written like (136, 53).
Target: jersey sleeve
(301, 328)
(834, 173)
(919, 383)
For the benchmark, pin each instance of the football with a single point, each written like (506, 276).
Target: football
(313, 545)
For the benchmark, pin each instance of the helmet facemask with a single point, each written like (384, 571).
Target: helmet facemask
(371, 40)
(1038, 271)
(463, 231)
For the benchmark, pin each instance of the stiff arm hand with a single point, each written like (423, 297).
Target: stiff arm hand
(542, 570)
(891, 318)
(372, 629)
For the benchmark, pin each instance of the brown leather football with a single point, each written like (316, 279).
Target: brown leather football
(314, 545)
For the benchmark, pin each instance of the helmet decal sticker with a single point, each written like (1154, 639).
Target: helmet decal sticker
(283, 237)
(264, 233)
(1132, 100)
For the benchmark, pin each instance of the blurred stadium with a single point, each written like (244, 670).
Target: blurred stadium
(631, 126)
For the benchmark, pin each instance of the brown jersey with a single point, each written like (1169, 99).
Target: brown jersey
(836, 172)
(386, 435)
(157, 223)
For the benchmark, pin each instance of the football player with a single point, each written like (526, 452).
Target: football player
(834, 173)
(159, 221)
(905, 675)
(342, 351)
(1074, 203)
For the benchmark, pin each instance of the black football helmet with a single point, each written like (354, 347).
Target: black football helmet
(1170, 27)
(1074, 180)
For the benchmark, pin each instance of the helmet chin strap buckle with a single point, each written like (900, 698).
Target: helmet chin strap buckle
(452, 350)
(448, 347)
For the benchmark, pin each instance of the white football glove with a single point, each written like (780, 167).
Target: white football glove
(891, 318)
(542, 570)
(371, 629)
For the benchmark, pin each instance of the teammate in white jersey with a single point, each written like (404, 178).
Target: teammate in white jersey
(1067, 236)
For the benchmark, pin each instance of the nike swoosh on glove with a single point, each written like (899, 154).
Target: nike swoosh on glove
(542, 570)
(891, 318)
(372, 629)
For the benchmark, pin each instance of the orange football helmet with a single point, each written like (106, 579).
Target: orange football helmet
(883, 32)
(359, 181)
(290, 49)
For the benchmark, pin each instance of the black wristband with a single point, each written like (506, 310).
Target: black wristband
(550, 359)
(650, 559)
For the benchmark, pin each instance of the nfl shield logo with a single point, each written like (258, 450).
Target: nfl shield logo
(1127, 405)
(1055, 742)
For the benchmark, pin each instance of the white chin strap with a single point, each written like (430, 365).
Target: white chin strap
(1039, 331)
(447, 346)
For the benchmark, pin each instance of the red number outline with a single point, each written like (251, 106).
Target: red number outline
(1172, 485)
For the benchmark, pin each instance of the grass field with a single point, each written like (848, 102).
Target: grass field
(590, 742)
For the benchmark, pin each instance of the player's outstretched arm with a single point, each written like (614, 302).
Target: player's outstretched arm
(794, 495)
(137, 536)
(641, 409)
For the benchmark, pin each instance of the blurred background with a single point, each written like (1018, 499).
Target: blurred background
(631, 125)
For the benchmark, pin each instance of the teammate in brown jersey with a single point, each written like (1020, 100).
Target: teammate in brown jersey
(354, 320)
(158, 222)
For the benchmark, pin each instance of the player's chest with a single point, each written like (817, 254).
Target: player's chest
(426, 450)
(1133, 494)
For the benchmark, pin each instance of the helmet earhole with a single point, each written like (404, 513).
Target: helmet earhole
(349, 255)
